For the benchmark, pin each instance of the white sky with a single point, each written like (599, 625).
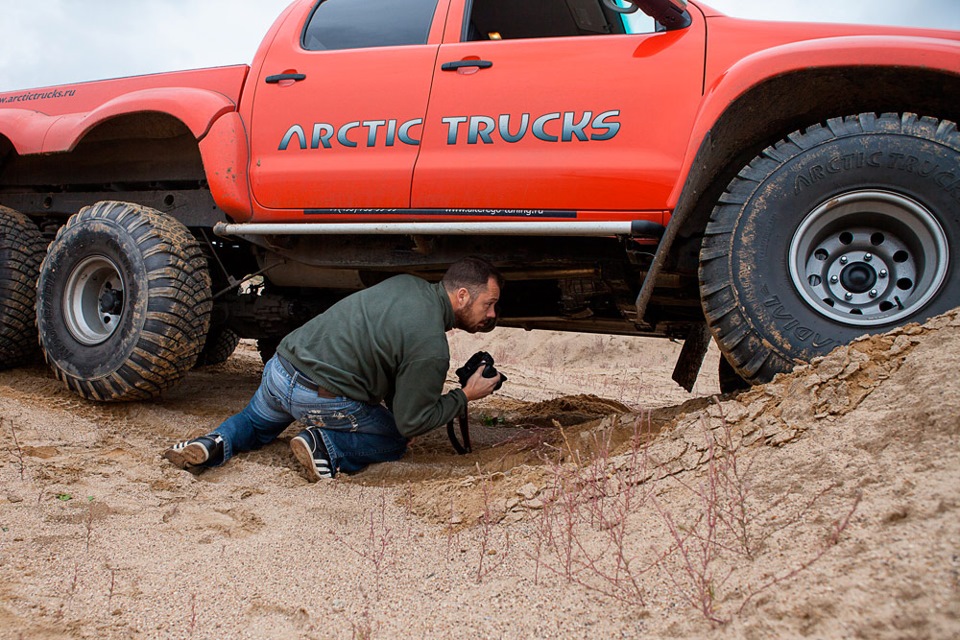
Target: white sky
(49, 42)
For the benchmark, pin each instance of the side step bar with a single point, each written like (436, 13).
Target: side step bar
(634, 228)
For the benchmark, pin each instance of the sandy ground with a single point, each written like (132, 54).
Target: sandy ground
(601, 501)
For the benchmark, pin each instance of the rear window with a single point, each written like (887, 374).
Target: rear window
(358, 24)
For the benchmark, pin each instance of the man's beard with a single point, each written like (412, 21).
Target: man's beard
(488, 325)
(461, 321)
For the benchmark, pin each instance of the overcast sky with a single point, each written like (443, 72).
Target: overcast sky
(49, 42)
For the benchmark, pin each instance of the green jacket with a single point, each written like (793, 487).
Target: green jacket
(389, 343)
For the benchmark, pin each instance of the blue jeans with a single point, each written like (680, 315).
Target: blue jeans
(355, 434)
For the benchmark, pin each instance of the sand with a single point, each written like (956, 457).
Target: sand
(600, 501)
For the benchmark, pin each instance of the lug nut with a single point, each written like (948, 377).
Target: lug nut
(874, 294)
(834, 279)
(883, 273)
(844, 260)
(848, 296)
(868, 257)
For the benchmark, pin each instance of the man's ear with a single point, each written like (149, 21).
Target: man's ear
(463, 297)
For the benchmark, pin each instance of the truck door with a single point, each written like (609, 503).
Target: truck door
(339, 104)
(557, 106)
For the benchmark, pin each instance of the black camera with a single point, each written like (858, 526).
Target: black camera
(477, 360)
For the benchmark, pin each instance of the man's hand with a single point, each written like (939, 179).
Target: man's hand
(479, 387)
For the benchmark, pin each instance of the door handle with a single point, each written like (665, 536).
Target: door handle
(280, 77)
(460, 64)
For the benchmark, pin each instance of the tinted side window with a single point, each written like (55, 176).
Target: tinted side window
(355, 24)
(511, 19)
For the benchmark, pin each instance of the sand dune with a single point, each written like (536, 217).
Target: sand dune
(600, 500)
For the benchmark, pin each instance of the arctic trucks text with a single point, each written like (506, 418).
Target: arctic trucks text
(649, 167)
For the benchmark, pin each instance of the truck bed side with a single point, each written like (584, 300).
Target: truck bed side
(54, 119)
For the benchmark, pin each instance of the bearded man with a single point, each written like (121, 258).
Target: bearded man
(364, 377)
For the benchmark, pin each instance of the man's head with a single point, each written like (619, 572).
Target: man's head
(473, 285)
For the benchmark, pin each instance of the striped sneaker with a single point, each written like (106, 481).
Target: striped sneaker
(192, 453)
(310, 451)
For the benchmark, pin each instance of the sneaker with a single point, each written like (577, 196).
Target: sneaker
(310, 451)
(191, 453)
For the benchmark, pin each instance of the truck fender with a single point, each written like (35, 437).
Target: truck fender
(197, 109)
(754, 70)
(843, 51)
(226, 155)
(24, 129)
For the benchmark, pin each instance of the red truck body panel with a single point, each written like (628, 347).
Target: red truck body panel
(665, 89)
(385, 133)
(54, 119)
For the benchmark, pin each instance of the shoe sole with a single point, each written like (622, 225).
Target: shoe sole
(304, 455)
(190, 456)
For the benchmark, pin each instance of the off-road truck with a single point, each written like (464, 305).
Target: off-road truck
(641, 167)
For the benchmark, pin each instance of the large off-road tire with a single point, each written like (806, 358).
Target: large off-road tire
(845, 229)
(220, 345)
(730, 380)
(124, 302)
(21, 251)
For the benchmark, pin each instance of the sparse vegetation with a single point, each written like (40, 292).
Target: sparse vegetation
(588, 531)
(377, 545)
(573, 516)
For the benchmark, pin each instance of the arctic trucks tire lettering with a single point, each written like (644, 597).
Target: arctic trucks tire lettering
(787, 274)
(649, 168)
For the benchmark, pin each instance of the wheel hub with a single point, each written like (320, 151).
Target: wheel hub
(111, 302)
(93, 300)
(858, 278)
(869, 258)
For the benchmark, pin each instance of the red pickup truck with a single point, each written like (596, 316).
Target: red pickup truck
(640, 167)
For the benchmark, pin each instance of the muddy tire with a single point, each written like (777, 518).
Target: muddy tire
(220, 345)
(730, 380)
(124, 302)
(21, 251)
(845, 229)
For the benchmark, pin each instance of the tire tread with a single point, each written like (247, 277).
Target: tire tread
(22, 248)
(752, 357)
(178, 305)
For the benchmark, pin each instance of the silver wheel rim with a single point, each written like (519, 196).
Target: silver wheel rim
(93, 300)
(869, 258)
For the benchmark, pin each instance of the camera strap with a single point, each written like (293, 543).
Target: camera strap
(477, 360)
(462, 448)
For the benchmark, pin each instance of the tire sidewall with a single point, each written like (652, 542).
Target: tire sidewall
(770, 217)
(78, 242)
